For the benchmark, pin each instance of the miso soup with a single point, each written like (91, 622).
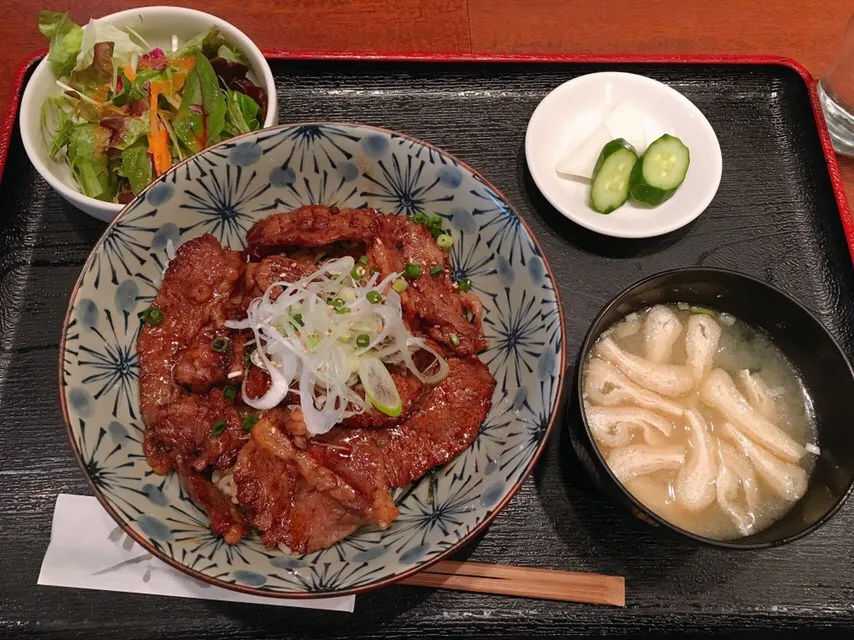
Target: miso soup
(701, 418)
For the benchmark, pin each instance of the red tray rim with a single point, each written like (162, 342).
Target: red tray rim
(7, 124)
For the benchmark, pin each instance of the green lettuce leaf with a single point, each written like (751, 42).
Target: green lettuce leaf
(87, 145)
(135, 90)
(206, 43)
(100, 31)
(66, 38)
(137, 166)
(56, 124)
(126, 130)
(231, 55)
(201, 118)
(242, 115)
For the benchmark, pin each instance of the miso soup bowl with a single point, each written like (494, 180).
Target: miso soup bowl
(818, 359)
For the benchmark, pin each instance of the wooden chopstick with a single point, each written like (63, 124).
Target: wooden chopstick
(545, 584)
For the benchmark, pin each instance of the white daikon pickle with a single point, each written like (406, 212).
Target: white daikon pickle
(581, 159)
(627, 122)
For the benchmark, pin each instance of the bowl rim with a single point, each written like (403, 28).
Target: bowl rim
(590, 338)
(555, 410)
(33, 147)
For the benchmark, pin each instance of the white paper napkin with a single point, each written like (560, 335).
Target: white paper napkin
(88, 550)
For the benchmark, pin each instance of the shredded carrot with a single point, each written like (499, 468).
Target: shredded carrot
(158, 137)
(130, 74)
(184, 64)
(178, 80)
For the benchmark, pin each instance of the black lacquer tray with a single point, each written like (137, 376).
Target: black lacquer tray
(780, 215)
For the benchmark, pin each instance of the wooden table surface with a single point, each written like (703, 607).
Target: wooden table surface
(808, 31)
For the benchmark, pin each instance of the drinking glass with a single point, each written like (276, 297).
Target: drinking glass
(836, 91)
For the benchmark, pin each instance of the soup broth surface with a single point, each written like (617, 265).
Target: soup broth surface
(747, 356)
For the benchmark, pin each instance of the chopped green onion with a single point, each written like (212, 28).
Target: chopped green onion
(437, 270)
(412, 270)
(445, 241)
(247, 357)
(218, 427)
(464, 284)
(374, 297)
(152, 316)
(419, 218)
(363, 340)
(220, 345)
(363, 260)
(297, 317)
(249, 422)
(400, 285)
(312, 341)
(358, 272)
(703, 311)
(343, 310)
(454, 339)
(436, 232)
(434, 222)
(337, 303)
(229, 392)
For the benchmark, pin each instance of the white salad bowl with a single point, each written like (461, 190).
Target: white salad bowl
(575, 109)
(157, 25)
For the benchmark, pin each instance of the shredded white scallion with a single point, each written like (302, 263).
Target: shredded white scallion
(307, 337)
(811, 448)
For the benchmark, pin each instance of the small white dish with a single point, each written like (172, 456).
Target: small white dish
(571, 112)
(157, 25)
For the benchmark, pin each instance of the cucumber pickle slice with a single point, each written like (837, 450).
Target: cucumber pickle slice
(660, 170)
(609, 187)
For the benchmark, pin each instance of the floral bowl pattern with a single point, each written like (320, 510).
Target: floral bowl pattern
(223, 191)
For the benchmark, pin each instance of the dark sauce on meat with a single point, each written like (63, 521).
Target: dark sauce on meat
(300, 492)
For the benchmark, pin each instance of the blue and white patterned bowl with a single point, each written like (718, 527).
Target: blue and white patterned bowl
(223, 191)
